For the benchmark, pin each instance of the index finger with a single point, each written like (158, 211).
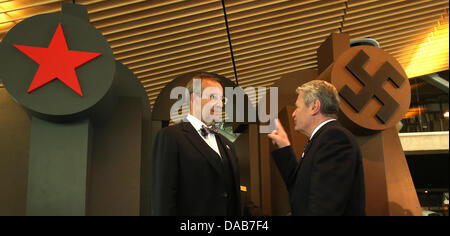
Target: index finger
(279, 126)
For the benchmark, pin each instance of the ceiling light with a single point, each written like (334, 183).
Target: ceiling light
(432, 55)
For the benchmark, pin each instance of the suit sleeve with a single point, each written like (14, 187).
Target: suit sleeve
(332, 175)
(164, 174)
(287, 164)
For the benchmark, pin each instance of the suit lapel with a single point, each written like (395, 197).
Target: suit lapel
(230, 155)
(311, 144)
(305, 157)
(202, 147)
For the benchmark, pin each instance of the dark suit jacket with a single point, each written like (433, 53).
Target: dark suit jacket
(189, 178)
(329, 180)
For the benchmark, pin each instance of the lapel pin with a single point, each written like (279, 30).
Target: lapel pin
(227, 146)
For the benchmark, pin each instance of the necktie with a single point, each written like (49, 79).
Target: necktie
(306, 148)
(205, 130)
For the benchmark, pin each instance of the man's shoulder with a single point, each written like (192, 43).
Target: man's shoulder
(334, 129)
(173, 130)
(336, 135)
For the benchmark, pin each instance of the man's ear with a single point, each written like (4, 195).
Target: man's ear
(316, 105)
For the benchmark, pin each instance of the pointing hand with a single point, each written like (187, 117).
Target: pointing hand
(279, 136)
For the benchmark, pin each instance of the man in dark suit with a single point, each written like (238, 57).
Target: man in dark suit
(329, 178)
(195, 169)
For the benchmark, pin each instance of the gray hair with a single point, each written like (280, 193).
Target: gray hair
(323, 91)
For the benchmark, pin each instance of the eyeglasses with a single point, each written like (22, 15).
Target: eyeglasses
(216, 98)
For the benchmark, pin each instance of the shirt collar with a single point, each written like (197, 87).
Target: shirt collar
(320, 126)
(195, 122)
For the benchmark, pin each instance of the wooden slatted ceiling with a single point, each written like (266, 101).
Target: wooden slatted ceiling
(401, 27)
(277, 42)
(160, 39)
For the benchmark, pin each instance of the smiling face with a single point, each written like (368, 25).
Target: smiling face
(212, 103)
(208, 106)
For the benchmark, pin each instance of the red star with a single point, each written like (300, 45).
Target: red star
(57, 62)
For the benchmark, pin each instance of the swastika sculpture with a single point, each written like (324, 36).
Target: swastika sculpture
(375, 94)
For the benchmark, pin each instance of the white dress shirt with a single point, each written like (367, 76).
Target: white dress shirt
(210, 139)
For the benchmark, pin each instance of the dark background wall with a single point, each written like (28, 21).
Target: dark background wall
(14, 148)
(114, 169)
(118, 168)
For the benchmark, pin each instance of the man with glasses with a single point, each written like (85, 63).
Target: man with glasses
(195, 169)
